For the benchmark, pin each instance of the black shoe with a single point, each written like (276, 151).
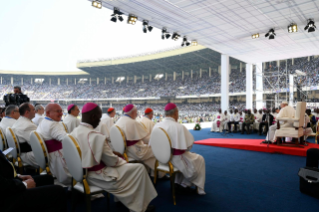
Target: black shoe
(242, 132)
(150, 208)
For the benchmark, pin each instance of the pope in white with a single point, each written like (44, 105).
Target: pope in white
(12, 114)
(148, 123)
(128, 182)
(191, 165)
(53, 133)
(71, 121)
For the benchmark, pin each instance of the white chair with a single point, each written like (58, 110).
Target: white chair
(13, 142)
(119, 142)
(72, 155)
(3, 142)
(162, 149)
(64, 127)
(296, 131)
(40, 152)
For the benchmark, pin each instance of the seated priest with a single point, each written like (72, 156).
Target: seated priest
(26, 193)
(53, 133)
(217, 125)
(234, 119)
(128, 182)
(108, 118)
(191, 165)
(225, 121)
(39, 111)
(266, 121)
(22, 128)
(12, 114)
(135, 134)
(148, 123)
(249, 120)
(71, 121)
(258, 118)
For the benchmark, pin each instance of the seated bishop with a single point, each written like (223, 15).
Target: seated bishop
(191, 166)
(22, 128)
(53, 133)
(148, 123)
(217, 125)
(71, 121)
(128, 182)
(12, 114)
(135, 134)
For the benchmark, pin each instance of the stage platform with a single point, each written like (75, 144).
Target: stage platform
(254, 145)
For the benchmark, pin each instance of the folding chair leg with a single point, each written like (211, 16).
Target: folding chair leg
(88, 202)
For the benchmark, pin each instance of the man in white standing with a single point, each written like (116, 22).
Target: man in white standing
(128, 182)
(71, 121)
(148, 123)
(191, 165)
(12, 114)
(53, 133)
(38, 115)
(22, 128)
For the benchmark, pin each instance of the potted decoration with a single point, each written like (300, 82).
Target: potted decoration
(197, 126)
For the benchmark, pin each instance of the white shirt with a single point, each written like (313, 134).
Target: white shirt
(37, 119)
(231, 117)
(7, 122)
(50, 129)
(22, 128)
(71, 122)
(236, 117)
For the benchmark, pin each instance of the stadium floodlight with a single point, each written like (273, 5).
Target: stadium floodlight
(311, 27)
(120, 79)
(165, 34)
(97, 4)
(254, 36)
(194, 43)
(300, 73)
(117, 14)
(271, 34)
(146, 27)
(175, 36)
(132, 19)
(292, 28)
(185, 42)
(158, 76)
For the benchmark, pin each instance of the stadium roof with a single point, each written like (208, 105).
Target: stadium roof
(177, 60)
(227, 26)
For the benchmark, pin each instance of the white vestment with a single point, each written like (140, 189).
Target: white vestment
(53, 130)
(22, 128)
(225, 122)
(218, 117)
(191, 165)
(134, 131)
(148, 124)
(129, 183)
(37, 119)
(71, 122)
(6, 122)
(108, 121)
(258, 119)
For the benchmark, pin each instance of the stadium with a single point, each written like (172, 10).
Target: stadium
(249, 60)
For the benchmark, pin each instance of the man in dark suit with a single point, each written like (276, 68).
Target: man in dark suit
(267, 120)
(26, 193)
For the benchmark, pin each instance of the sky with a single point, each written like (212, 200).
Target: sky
(51, 36)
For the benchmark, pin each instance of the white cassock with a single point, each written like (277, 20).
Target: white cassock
(135, 134)
(225, 121)
(217, 125)
(258, 119)
(102, 128)
(191, 165)
(6, 122)
(53, 133)
(22, 128)
(148, 124)
(71, 122)
(108, 121)
(37, 119)
(128, 182)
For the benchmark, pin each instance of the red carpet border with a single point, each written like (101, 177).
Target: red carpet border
(254, 145)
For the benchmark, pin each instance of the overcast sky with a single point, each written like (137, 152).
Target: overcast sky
(52, 36)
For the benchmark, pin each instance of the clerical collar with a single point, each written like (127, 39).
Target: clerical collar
(8, 117)
(47, 118)
(170, 118)
(86, 125)
(147, 117)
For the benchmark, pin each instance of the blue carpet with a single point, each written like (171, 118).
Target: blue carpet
(236, 180)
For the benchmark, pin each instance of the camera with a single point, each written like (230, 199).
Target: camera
(15, 99)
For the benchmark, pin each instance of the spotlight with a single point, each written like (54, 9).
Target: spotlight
(146, 27)
(97, 4)
(194, 43)
(131, 19)
(311, 27)
(165, 34)
(292, 28)
(255, 36)
(175, 36)
(185, 42)
(116, 15)
(271, 34)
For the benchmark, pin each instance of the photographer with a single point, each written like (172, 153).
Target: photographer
(17, 90)
(16, 98)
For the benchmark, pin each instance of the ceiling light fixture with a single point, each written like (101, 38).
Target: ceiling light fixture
(116, 15)
(254, 36)
(97, 4)
(185, 42)
(165, 34)
(132, 19)
(175, 36)
(292, 28)
(271, 34)
(146, 27)
(311, 27)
